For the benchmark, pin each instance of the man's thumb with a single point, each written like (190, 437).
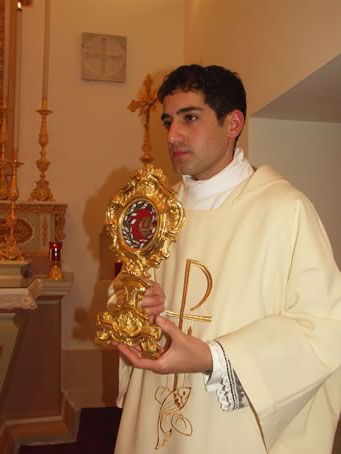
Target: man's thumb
(166, 325)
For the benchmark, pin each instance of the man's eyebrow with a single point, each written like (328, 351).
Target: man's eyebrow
(189, 109)
(166, 116)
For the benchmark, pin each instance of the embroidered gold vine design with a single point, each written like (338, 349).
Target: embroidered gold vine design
(173, 401)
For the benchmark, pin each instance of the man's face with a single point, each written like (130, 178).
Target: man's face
(198, 145)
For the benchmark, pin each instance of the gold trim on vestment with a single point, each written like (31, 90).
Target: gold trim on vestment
(172, 401)
(195, 318)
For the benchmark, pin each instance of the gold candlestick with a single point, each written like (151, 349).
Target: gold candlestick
(11, 250)
(4, 189)
(42, 191)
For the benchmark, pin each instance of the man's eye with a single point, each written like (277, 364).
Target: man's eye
(167, 124)
(189, 118)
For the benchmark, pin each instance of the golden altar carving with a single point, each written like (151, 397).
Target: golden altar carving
(38, 223)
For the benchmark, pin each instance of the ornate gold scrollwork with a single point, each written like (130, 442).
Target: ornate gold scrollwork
(143, 221)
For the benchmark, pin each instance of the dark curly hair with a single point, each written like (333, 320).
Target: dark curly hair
(222, 89)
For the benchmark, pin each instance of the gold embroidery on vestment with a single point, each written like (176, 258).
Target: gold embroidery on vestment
(182, 315)
(209, 283)
(196, 318)
(172, 401)
(170, 417)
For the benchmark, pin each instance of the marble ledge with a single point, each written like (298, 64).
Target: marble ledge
(33, 292)
(52, 287)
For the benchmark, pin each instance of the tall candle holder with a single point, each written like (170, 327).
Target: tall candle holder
(11, 250)
(4, 189)
(56, 250)
(42, 191)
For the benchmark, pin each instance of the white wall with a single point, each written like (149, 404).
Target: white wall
(95, 141)
(271, 43)
(309, 155)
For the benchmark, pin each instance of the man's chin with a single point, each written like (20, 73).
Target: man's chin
(181, 170)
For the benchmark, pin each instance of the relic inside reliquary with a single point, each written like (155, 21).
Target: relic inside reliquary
(142, 220)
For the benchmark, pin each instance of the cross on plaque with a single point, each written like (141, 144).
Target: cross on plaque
(106, 57)
(145, 103)
(103, 57)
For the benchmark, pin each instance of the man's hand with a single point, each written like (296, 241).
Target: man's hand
(185, 353)
(153, 301)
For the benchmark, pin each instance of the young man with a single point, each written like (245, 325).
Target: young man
(253, 366)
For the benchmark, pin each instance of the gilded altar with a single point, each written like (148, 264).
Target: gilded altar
(37, 224)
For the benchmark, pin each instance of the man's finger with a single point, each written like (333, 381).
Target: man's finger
(154, 310)
(135, 358)
(151, 301)
(167, 326)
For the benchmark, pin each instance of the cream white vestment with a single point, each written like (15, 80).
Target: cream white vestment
(274, 305)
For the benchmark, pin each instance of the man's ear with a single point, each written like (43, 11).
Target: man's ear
(235, 123)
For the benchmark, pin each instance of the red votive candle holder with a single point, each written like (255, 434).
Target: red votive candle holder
(56, 251)
(55, 248)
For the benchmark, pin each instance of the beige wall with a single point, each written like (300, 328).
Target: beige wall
(309, 155)
(95, 141)
(272, 44)
(90, 377)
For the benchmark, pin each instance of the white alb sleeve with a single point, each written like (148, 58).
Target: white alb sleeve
(224, 381)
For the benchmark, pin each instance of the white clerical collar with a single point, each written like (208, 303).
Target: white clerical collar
(208, 194)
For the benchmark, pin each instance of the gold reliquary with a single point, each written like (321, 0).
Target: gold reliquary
(143, 221)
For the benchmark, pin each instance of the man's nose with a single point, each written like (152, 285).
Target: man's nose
(174, 133)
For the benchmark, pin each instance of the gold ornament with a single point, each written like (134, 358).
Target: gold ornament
(4, 189)
(11, 249)
(143, 221)
(42, 191)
